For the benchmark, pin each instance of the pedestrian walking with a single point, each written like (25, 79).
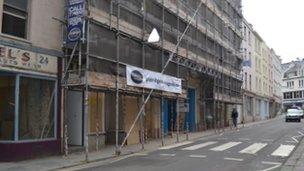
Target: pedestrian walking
(234, 116)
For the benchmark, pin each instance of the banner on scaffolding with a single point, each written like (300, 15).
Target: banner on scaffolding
(139, 77)
(75, 14)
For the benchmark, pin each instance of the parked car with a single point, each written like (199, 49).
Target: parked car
(294, 115)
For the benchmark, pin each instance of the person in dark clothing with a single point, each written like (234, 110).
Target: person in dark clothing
(234, 116)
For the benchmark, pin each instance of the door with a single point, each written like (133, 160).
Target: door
(165, 114)
(75, 118)
(169, 115)
(172, 114)
(190, 116)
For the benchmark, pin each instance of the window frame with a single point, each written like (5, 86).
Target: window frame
(16, 110)
(27, 20)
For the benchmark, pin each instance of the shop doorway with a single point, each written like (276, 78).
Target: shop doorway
(75, 118)
(190, 116)
(169, 115)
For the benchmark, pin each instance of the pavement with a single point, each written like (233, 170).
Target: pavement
(296, 161)
(106, 158)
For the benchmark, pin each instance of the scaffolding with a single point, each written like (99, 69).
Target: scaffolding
(115, 36)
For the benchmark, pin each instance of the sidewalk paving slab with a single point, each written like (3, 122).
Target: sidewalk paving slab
(296, 160)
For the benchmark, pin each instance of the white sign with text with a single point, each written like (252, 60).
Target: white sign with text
(22, 59)
(139, 77)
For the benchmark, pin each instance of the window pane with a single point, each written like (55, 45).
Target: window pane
(36, 108)
(20, 4)
(7, 107)
(16, 12)
(13, 25)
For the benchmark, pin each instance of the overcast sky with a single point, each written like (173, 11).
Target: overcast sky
(280, 23)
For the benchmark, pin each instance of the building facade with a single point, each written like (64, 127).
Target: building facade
(277, 74)
(30, 57)
(261, 72)
(101, 102)
(293, 78)
(83, 86)
(249, 65)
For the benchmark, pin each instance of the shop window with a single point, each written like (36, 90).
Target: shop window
(96, 111)
(7, 106)
(36, 109)
(15, 17)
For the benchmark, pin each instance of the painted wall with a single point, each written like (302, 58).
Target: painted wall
(248, 55)
(42, 29)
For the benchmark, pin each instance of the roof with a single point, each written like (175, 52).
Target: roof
(293, 66)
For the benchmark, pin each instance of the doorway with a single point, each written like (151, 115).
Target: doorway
(75, 118)
(190, 116)
(169, 115)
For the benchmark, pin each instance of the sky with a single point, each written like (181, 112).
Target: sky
(280, 23)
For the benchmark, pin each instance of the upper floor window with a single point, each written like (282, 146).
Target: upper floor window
(288, 95)
(249, 82)
(245, 80)
(290, 84)
(249, 38)
(245, 33)
(14, 20)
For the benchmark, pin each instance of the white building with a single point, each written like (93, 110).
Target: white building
(276, 82)
(293, 84)
(248, 72)
(262, 75)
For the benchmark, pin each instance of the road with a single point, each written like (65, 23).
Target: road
(261, 147)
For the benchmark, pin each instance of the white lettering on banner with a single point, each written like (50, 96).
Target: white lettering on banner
(73, 2)
(17, 58)
(153, 80)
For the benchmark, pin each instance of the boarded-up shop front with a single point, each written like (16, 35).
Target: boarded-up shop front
(75, 120)
(150, 121)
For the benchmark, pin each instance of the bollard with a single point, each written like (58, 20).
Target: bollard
(162, 132)
(187, 131)
(97, 137)
(146, 135)
(66, 148)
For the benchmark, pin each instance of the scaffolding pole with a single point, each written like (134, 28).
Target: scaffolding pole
(162, 61)
(117, 151)
(86, 98)
(142, 139)
(163, 70)
(177, 97)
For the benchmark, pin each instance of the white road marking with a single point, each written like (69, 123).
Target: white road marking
(197, 156)
(233, 159)
(295, 139)
(276, 165)
(283, 150)
(167, 155)
(267, 140)
(225, 146)
(140, 154)
(290, 141)
(175, 145)
(222, 138)
(198, 146)
(300, 133)
(244, 139)
(254, 148)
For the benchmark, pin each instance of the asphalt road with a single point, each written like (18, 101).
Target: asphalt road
(261, 147)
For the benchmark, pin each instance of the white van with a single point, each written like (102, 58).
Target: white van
(294, 114)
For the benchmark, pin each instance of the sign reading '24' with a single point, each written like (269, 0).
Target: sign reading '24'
(75, 20)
